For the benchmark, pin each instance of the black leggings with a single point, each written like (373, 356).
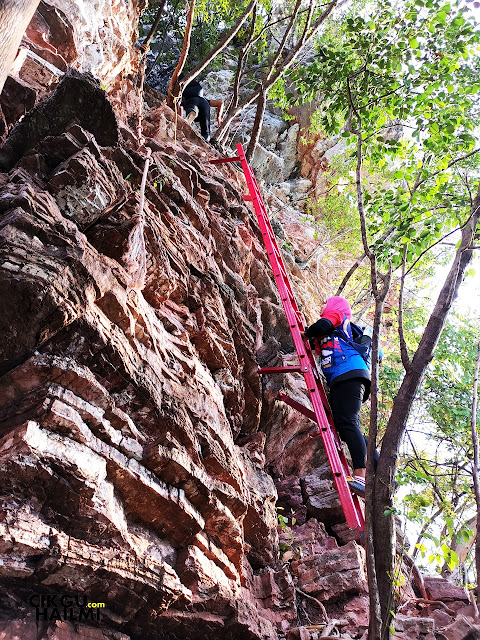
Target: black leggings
(202, 106)
(346, 399)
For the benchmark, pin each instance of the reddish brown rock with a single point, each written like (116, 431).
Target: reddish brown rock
(119, 410)
(441, 618)
(357, 613)
(313, 538)
(344, 534)
(290, 498)
(135, 431)
(59, 630)
(50, 35)
(332, 574)
(36, 72)
(459, 629)
(321, 496)
(441, 589)
(16, 99)
(417, 627)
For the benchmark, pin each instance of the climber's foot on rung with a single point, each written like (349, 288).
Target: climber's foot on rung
(357, 485)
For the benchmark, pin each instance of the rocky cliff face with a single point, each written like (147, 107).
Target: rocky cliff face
(141, 456)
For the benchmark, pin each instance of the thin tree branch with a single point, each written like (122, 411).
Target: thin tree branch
(375, 619)
(453, 162)
(359, 261)
(174, 91)
(417, 576)
(286, 64)
(241, 59)
(228, 37)
(317, 602)
(474, 211)
(144, 46)
(171, 18)
(262, 98)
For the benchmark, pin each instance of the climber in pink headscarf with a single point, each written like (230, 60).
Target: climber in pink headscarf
(345, 359)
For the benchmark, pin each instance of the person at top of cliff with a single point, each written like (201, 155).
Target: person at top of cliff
(346, 366)
(197, 107)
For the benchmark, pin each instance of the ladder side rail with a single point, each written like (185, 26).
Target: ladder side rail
(267, 229)
(338, 464)
(353, 514)
(267, 232)
(357, 518)
(268, 235)
(270, 241)
(285, 292)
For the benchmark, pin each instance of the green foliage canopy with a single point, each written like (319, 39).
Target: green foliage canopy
(408, 77)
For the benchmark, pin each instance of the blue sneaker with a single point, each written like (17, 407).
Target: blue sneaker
(357, 485)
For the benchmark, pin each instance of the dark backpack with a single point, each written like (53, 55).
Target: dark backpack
(361, 343)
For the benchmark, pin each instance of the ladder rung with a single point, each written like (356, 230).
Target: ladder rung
(280, 369)
(224, 160)
(297, 405)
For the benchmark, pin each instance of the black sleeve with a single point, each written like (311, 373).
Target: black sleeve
(321, 328)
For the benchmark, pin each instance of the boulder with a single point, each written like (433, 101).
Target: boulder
(217, 85)
(332, 574)
(287, 147)
(459, 629)
(415, 627)
(268, 166)
(321, 496)
(439, 588)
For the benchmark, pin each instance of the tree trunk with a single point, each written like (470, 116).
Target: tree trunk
(380, 292)
(257, 125)
(375, 619)
(374, 632)
(262, 98)
(173, 92)
(224, 127)
(383, 526)
(476, 481)
(416, 575)
(154, 26)
(241, 61)
(14, 18)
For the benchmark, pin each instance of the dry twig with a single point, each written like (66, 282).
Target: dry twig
(317, 602)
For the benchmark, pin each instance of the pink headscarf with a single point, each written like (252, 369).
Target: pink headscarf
(335, 309)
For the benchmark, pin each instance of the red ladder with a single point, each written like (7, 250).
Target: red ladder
(321, 411)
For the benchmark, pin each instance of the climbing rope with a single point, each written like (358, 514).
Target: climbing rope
(135, 258)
